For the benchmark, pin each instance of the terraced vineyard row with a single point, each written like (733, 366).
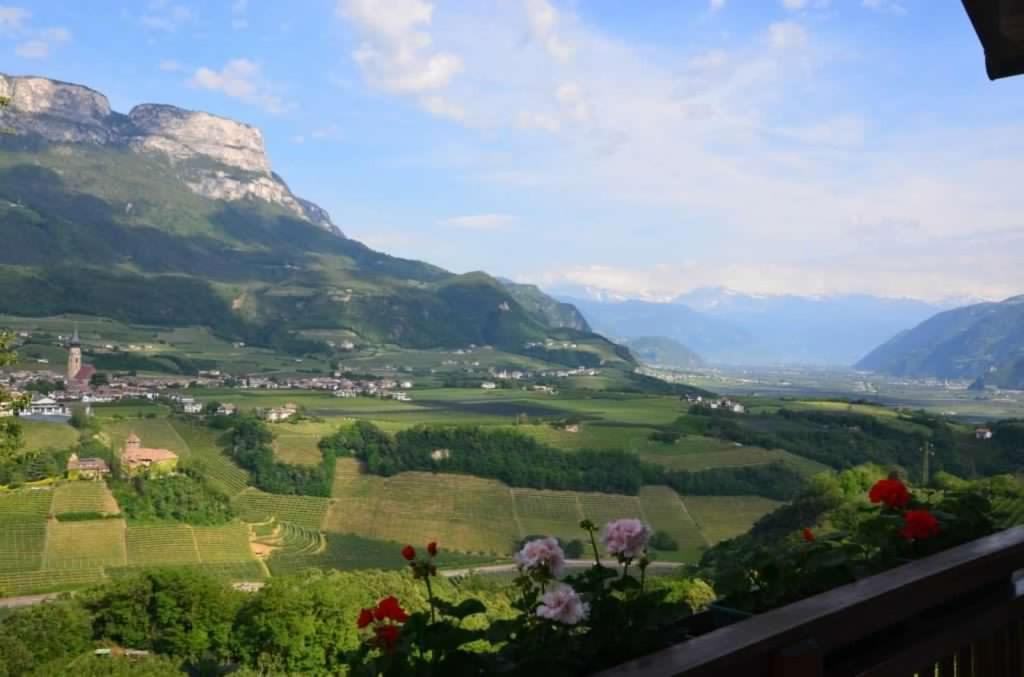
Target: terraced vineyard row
(253, 505)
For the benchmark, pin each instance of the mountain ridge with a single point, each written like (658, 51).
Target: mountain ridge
(983, 341)
(165, 220)
(66, 112)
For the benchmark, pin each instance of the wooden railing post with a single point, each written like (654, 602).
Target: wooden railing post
(802, 659)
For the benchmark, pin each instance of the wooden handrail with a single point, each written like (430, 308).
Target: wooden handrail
(971, 581)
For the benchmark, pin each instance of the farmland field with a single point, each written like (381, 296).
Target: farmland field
(254, 505)
(484, 516)
(43, 434)
(722, 517)
(83, 496)
(720, 454)
(205, 454)
(85, 545)
(298, 449)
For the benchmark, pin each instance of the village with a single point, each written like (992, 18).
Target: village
(48, 394)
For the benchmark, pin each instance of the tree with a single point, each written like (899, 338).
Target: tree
(662, 540)
(41, 634)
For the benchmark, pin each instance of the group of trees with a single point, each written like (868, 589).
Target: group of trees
(295, 625)
(249, 442)
(184, 497)
(521, 461)
(843, 439)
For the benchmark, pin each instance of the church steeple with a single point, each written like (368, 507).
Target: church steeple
(75, 341)
(74, 357)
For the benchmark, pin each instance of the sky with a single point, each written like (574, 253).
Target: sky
(640, 148)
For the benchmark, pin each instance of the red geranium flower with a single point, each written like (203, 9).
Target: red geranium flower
(892, 492)
(919, 524)
(808, 535)
(432, 548)
(365, 618)
(387, 635)
(389, 608)
(409, 552)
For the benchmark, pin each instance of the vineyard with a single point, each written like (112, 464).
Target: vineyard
(475, 515)
(204, 453)
(83, 496)
(253, 505)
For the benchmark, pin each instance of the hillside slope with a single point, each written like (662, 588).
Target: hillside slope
(984, 340)
(166, 216)
(660, 351)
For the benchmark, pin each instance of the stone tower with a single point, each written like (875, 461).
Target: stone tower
(74, 356)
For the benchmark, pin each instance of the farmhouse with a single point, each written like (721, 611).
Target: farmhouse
(488, 385)
(227, 409)
(86, 468)
(280, 413)
(983, 434)
(139, 460)
(190, 406)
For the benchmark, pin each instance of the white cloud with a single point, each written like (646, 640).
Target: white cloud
(794, 4)
(480, 221)
(543, 121)
(890, 6)
(442, 107)
(573, 100)
(13, 19)
(715, 5)
(36, 43)
(241, 79)
(543, 18)
(33, 49)
(746, 156)
(797, 5)
(787, 35)
(397, 53)
(170, 66)
(166, 17)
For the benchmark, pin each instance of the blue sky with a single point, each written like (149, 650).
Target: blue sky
(642, 148)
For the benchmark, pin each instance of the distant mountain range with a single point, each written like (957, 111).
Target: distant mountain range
(984, 341)
(174, 217)
(659, 351)
(730, 327)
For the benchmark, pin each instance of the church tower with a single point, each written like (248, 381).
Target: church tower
(74, 356)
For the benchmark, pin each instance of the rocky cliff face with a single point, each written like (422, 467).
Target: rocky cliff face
(216, 157)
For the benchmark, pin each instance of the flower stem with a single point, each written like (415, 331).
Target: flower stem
(593, 544)
(430, 596)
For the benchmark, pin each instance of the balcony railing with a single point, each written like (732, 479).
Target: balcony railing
(959, 613)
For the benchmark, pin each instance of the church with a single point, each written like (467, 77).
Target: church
(78, 374)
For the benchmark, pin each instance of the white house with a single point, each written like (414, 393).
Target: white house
(192, 407)
(47, 406)
(488, 385)
(983, 434)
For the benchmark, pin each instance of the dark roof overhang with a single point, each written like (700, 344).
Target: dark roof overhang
(1000, 27)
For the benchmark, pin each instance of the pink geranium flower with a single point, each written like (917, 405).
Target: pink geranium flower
(626, 538)
(542, 555)
(563, 605)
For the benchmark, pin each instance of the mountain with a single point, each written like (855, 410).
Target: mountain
(982, 341)
(702, 333)
(730, 327)
(168, 216)
(825, 330)
(555, 313)
(659, 351)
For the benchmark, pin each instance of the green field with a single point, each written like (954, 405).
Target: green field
(474, 515)
(297, 448)
(155, 433)
(205, 454)
(39, 554)
(42, 434)
(83, 496)
(695, 453)
(254, 505)
(722, 517)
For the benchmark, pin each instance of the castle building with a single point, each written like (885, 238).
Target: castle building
(139, 460)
